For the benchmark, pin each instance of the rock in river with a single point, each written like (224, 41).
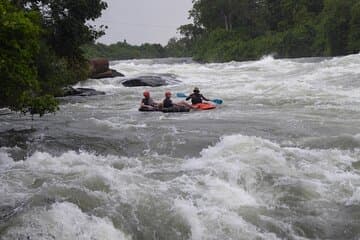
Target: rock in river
(151, 80)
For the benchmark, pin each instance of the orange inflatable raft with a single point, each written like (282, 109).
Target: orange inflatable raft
(204, 106)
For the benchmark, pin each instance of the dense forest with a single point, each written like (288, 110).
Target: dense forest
(123, 50)
(40, 50)
(225, 30)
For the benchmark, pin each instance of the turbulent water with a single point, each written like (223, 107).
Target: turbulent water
(279, 159)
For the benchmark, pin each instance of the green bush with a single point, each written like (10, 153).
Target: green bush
(40, 52)
(19, 36)
(354, 36)
(242, 30)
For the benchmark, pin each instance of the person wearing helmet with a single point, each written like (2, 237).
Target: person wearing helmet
(196, 97)
(168, 103)
(147, 103)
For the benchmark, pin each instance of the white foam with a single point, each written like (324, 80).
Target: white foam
(234, 169)
(232, 152)
(354, 199)
(73, 169)
(215, 222)
(116, 124)
(190, 213)
(64, 221)
(5, 159)
(225, 194)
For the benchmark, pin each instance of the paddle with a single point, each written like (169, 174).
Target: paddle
(183, 95)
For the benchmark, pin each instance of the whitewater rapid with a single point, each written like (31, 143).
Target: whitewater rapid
(279, 159)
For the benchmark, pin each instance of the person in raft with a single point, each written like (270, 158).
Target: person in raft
(148, 103)
(196, 97)
(168, 103)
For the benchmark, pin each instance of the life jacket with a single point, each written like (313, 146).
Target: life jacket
(167, 103)
(148, 102)
(196, 98)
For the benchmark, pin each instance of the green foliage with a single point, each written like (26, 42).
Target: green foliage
(336, 26)
(354, 36)
(245, 29)
(19, 36)
(55, 72)
(37, 105)
(52, 70)
(152, 50)
(297, 42)
(122, 50)
(40, 50)
(43, 104)
(178, 48)
(235, 47)
(65, 22)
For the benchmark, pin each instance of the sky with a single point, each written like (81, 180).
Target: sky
(143, 21)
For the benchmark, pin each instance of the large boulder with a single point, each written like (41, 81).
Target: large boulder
(150, 80)
(99, 68)
(98, 65)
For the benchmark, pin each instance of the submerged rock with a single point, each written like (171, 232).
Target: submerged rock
(151, 80)
(70, 91)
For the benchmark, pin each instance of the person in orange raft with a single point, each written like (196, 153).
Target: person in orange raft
(196, 97)
(168, 103)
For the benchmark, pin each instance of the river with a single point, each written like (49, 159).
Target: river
(279, 159)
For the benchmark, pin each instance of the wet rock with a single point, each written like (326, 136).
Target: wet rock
(84, 92)
(111, 73)
(151, 80)
(99, 65)
(99, 68)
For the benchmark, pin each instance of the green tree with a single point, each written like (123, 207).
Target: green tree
(65, 31)
(123, 50)
(19, 40)
(65, 22)
(227, 14)
(40, 49)
(354, 36)
(298, 42)
(290, 28)
(175, 48)
(336, 26)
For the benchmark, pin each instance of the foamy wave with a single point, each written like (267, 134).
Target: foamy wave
(74, 162)
(116, 125)
(243, 171)
(213, 222)
(5, 158)
(92, 178)
(354, 199)
(64, 221)
(244, 162)
(108, 85)
(190, 213)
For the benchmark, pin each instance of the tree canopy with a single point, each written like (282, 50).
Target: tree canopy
(123, 50)
(245, 29)
(40, 49)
